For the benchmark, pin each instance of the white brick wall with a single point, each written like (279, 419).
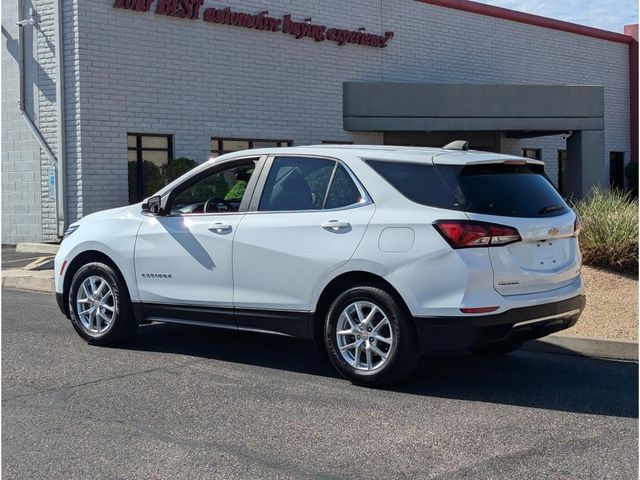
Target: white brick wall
(145, 73)
(21, 217)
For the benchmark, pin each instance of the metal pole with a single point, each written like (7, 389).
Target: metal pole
(60, 112)
(60, 197)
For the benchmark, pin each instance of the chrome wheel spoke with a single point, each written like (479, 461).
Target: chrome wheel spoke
(345, 332)
(100, 288)
(109, 308)
(369, 359)
(359, 313)
(104, 317)
(380, 325)
(109, 294)
(346, 315)
(371, 314)
(348, 347)
(356, 357)
(379, 338)
(379, 352)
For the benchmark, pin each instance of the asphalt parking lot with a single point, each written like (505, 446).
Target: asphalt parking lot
(186, 402)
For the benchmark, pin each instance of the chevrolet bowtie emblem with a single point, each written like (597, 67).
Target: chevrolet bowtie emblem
(553, 231)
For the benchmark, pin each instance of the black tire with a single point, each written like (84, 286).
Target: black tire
(403, 354)
(497, 349)
(123, 324)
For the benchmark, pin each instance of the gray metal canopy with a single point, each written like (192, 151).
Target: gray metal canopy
(437, 107)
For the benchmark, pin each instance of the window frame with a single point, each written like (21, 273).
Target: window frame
(212, 170)
(617, 156)
(537, 150)
(266, 169)
(562, 162)
(221, 151)
(139, 161)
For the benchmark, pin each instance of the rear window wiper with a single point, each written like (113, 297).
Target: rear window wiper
(550, 208)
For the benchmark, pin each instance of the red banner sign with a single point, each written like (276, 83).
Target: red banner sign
(192, 10)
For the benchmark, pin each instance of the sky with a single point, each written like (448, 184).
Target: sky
(610, 15)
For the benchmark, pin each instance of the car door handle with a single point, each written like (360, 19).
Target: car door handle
(220, 228)
(335, 225)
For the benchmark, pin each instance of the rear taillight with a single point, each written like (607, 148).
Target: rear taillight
(470, 233)
(577, 227)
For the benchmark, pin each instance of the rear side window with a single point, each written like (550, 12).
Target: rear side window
(504, 190)
(419, 182)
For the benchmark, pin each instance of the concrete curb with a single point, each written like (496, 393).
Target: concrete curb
(34, 280)
(50, 248)
(585, 347)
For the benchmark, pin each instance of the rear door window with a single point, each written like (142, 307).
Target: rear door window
(503, 190)
(296, 183)
(305, 183)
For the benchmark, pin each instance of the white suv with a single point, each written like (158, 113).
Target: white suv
(378, 253)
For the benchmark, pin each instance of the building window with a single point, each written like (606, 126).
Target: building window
(534, 153)
(616, 170)
(336, 142)
(562, 167)
(220, 146)
(149, 154)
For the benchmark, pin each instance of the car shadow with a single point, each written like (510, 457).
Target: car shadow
(562, 382)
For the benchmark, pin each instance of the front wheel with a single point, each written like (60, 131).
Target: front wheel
(369, 338)
(100, 307)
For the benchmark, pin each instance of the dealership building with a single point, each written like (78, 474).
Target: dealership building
(100, 98)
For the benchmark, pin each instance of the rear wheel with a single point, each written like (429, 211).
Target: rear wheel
(369, 338)
(100, 307)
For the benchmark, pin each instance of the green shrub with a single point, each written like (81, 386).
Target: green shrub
(609, 235)
(177, 167)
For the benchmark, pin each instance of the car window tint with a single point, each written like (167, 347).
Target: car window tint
(296, 183)
(418, 182)
(343, 191)
(221, 191)
(504, 190)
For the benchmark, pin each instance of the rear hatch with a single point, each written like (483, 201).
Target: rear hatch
(516, 193)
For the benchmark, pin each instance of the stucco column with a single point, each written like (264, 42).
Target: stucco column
(585, 166)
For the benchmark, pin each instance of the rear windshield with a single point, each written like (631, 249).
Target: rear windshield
(505, 190)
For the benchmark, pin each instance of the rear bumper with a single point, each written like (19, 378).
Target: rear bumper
(438, 334)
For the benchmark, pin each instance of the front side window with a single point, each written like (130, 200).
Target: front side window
(148, 158)
(301, 183)
(221, 191)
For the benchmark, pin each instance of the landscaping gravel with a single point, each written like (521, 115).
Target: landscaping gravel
(612, 306)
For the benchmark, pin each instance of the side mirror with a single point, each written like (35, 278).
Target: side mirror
(153, 205)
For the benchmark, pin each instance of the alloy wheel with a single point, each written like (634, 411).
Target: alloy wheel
(95, 305)
(364, 336)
